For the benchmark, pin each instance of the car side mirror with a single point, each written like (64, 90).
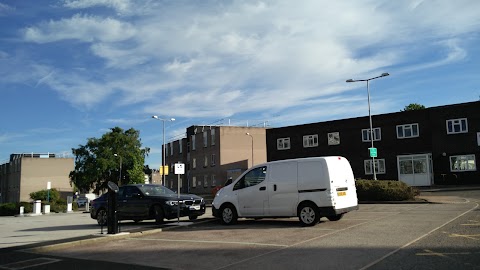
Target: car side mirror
(137, 196)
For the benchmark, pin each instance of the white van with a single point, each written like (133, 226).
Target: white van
(309, 188)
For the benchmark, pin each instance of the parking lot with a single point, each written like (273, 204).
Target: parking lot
(378, 236)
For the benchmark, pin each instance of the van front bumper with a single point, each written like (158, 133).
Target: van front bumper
(215, 212)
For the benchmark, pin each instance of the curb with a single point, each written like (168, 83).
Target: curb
(93, 238)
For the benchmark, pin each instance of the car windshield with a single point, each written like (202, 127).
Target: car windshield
(155, 190)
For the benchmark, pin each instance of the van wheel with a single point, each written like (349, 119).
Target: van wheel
(229, 214)
(335, 218)
(158, 212)
(308, 214)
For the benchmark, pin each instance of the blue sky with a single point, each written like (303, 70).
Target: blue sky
(72, 69)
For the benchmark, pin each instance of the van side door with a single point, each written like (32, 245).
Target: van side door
(251, 191)
(282, 189)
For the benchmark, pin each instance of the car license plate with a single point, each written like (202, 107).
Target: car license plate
(195, 207)
(342, 193)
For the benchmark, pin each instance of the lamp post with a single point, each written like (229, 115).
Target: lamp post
(369, 114)
(248, 134)
(120, 173)
(163, 144)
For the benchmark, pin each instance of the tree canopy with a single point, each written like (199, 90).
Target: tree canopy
(413, 107)
(100, 159)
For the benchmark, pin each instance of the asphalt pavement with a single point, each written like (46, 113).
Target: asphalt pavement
(68, 230)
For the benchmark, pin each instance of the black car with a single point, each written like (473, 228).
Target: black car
(139, 202)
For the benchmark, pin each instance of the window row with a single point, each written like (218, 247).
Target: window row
(169, 146)
(205, 161)
(460, 163)
(403, 131)
(204, 181)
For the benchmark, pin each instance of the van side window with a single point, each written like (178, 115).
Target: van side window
(252, 178)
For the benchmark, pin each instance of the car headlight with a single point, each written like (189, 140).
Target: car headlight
(172, 203)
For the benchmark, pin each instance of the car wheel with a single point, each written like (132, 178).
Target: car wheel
(192, 217)
(335, 218)
(308, 214)
(158, 211)
(229, 214)
(102, 217)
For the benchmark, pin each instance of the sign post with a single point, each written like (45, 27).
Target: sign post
(179, 169)
(373, 152)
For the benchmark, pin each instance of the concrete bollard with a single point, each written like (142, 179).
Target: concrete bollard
(46, 209)
(22, 210)
(37, 207)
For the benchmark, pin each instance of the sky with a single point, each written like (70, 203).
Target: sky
(72, 69)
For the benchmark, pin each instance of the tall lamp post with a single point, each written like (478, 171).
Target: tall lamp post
(120, 174)
(163, 144)
(248, 134)
(369, 114)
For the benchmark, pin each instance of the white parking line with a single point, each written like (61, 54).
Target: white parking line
(207, 242)
(28, 263)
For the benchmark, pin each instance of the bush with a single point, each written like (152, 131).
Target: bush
(8, 209)
(384, 190)
(11, 209)
(44, 194)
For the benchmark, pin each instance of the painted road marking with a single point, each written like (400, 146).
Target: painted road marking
(206, 242)
(28, 263)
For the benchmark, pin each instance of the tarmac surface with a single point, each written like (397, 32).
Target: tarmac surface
(54, 228)
(71, 230)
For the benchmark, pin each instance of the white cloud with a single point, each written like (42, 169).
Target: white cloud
(121, 6)
(82, 28)
(207, 60)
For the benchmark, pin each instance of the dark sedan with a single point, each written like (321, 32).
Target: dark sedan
(140, 202)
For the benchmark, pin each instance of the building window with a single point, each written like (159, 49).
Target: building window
(205, 139)
(407, 131)
(171, 149)
(180, 147)
(213, 160)
(193, 142)
(194, 181)
(205, 181)
(205, 161)
(194, 163)
(283, 143)
(333, 138)
(212, 136)
(457, 126)
(310, 141)
(462, 163)
(377, 134)
(379, 166)
(214, 181)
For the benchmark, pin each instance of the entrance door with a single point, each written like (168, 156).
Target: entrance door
(415, 170)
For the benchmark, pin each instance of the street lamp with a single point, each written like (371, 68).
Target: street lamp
(248, 134)
(120, 174)
(163, 145)
(369, 114)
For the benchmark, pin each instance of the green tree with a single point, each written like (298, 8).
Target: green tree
(413, 107)
(99, 161)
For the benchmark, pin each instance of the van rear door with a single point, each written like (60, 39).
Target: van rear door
(343, 182)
